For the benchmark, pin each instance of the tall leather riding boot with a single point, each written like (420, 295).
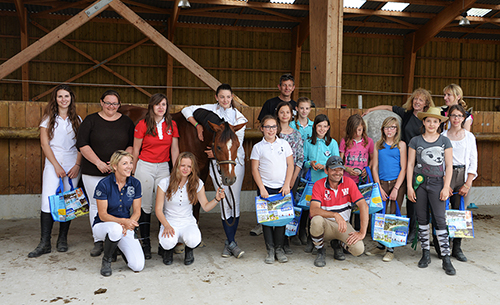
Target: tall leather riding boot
(109, 250)
(46, 223)
(145, 229)
(62, 240)
(269, 240)
(456, 251)
(188, 256)
(412, 230)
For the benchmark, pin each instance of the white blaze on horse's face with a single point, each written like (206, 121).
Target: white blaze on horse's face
(229, 144)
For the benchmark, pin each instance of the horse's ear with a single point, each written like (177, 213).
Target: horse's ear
(238, 127)
(215, 127)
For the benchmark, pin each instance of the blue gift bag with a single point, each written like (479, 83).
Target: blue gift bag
(390, 230)
(305, 196)
(68, 205)
(373, 198)
(292, 227)
(274, 211)
(459, 222)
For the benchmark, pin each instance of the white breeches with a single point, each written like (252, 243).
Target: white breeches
(236, 188)
(90, 183)
(129, 246)
(188, 233)
(150, 174)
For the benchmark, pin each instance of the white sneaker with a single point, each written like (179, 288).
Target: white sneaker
(375, 251)
(257, 230)
(388, 256)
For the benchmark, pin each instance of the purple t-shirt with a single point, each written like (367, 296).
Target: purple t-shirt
(357, 156)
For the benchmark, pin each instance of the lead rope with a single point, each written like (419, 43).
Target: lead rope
(222, 200)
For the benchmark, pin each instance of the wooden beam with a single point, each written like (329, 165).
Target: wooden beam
(173, 20)
(436, 24)
(25, 87)
(410, 58)
(409, 25)
(326, 52)
(273, 17)
(98, 64)
(296, 60)
(59, 8)
(166, 45)
(304, 31)
(284, 16)
(366, 12)
(254, 4)
(21, 14)
(47, 41)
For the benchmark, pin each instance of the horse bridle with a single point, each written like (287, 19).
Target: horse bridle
(218, 186)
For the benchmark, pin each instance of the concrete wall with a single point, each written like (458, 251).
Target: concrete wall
(28, 206)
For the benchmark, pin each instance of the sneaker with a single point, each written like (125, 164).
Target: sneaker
(376, 251)
(226, 252)
(257, 230)
(389, 256)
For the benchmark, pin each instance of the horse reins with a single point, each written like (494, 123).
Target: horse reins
(218, 186)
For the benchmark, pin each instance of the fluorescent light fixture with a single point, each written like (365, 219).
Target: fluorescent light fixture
(354, 3)
(478, 12)
(283, 1)
(394, 6)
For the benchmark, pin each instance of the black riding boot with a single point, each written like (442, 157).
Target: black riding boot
(279, 243)
(145, 229)
(456, 251)
(62, 240)
(107, 258)
(188, 255)
(168, 256)
(46, 223)
(410, 210)
(269, 240)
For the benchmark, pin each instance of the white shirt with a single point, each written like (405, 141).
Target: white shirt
(468, 154)
(272, 161)
(64, 138)
(178, 210)
(231, 115)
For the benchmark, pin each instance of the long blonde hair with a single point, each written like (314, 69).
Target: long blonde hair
(457, 92)
(192, 180)
(397, 137)
(301, 100)
(419, 92)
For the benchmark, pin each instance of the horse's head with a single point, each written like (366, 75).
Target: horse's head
(225, 149)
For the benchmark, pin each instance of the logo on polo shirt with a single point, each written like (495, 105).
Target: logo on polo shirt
(327, 153)
(169, 132)
(327, 195)
(98, 193)
(345, 192)
(130, 191)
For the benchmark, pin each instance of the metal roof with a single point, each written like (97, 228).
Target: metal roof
(257, 13)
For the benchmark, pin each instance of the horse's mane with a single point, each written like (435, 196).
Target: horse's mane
(227, 134)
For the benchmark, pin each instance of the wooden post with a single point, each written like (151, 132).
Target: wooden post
(25, 68)
(48, 40)
(410, 57)
(326, 36)
(296, 60)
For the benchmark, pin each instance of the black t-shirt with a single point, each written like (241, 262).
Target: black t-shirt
(411, 126)
(270, 105)
(104, 137)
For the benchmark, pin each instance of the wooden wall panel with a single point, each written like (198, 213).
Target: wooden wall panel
(4, 150)
(17, 150)
(33, 150)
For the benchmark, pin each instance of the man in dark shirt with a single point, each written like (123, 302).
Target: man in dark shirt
(286, 87)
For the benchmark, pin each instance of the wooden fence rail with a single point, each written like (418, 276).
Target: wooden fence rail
(21, 157)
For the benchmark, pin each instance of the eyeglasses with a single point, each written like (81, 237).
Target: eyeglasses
(390, 127)
(270, 127)
(111, 104)
(455, 116)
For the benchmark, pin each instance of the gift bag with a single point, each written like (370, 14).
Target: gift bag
(274, 211)
(292, 227)
(390, 230)
(459, 221)
(371, 193)
(68, 205)
(305, 196)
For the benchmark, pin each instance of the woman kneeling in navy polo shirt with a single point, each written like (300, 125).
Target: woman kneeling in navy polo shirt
(113, 224)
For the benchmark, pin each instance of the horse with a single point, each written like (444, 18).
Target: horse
(220, 137)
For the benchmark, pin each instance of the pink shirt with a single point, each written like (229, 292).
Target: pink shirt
(356, 156)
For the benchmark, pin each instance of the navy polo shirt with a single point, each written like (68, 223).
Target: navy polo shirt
(119, 201)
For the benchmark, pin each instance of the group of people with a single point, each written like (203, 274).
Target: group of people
(125, 171)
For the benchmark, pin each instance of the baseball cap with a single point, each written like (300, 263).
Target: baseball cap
(335, 162)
